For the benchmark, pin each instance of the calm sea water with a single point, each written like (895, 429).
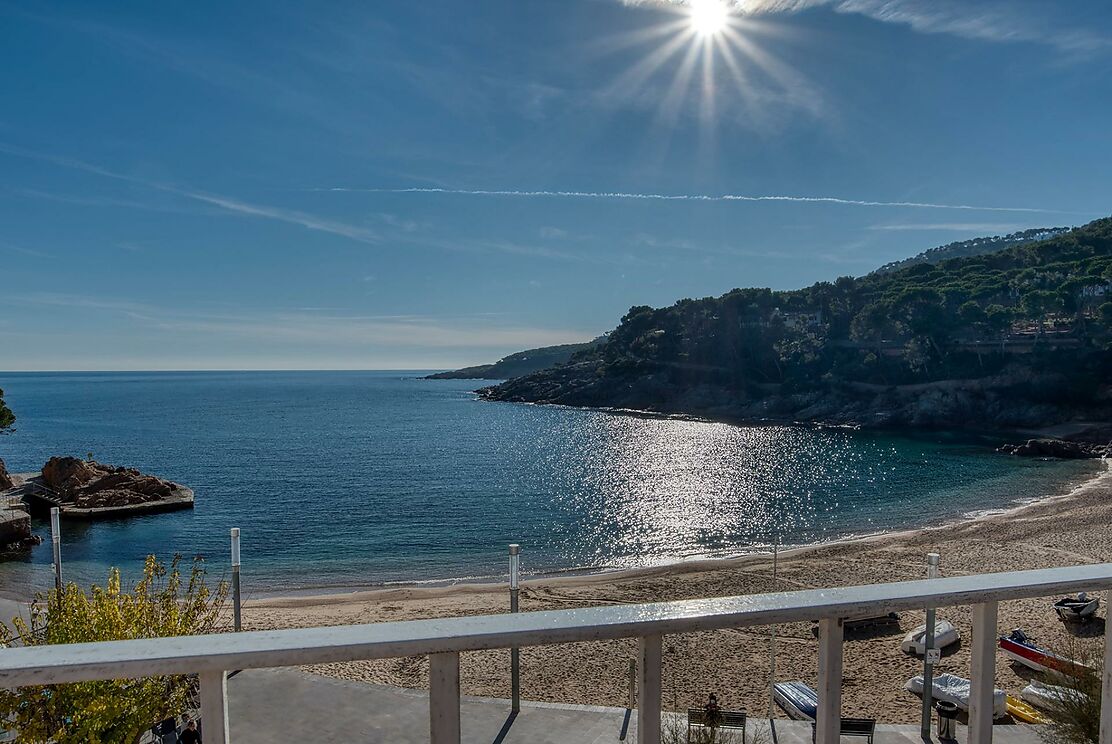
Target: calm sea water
(344, 479)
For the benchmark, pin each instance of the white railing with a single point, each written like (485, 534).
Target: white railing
(212, 656)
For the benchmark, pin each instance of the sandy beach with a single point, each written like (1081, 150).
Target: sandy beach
(1063, 530)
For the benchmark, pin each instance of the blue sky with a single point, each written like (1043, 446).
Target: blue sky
(432, 184)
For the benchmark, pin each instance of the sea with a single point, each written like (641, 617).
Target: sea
(343, 480)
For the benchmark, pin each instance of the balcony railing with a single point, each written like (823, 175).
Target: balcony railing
(210, 657)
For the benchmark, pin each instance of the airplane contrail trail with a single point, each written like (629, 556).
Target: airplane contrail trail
(688, 197)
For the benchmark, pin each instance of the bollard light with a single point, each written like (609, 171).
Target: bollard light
(515, 565)
(56, 540)
(931, 655)
(237, 598)
(515, 652)
(235, 547)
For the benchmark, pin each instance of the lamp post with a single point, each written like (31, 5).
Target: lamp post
(515, 654)
(236, 609)
(931, 655)
(56, 540)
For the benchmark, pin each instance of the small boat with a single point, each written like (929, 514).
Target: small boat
(1022, 650)
(955, 689)
(945, 634)
(1021, 710)
(1047, 697)
(1077, 609)
(797, 699)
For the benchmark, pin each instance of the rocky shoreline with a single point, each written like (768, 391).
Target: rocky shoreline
(998, 404)
(80, 489)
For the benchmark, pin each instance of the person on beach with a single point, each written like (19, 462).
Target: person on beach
(712, 715)
(190, 734)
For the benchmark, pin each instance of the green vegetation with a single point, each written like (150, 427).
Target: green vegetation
(522, 363)
(7, 418)
(1029, 311)
(1075, 708)
(110, 711)
(974, 247)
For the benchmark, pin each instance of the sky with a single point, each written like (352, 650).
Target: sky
(425, 185)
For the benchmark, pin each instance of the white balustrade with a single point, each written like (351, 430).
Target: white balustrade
(443, 640)
(828, 718)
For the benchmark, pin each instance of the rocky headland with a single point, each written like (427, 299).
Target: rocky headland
(82, 485)
(1015, 340)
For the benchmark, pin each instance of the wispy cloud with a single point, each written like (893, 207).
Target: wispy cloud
(319, 329)
(226, 203)
(690, 198)
(986, 20)
(979, 227)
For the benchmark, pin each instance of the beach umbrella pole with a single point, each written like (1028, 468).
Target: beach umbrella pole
(236, 599)
(515, 654)
(930, 655)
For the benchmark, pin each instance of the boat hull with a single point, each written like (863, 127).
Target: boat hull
(1039, 659)
(945, 634)
(796, 699)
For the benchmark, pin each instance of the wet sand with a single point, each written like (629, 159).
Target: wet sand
(1071, 529)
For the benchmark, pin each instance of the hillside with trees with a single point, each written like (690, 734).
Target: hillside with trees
(974, 247)
(1020, 337)
(522, 363)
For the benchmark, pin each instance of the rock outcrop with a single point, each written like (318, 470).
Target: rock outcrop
(1059, 448)
(5, 479)
(87, 484)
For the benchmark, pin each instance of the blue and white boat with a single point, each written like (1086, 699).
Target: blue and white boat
(797, 699)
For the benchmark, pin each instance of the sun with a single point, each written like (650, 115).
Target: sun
(708, 17)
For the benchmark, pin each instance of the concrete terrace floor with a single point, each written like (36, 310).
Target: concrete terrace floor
(272, 705)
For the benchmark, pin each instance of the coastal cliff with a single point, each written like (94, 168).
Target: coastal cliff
(1018, 338)
(521, 363)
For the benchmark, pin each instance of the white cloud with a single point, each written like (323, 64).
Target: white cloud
(984, 228)
(303, 329)
(987, 20)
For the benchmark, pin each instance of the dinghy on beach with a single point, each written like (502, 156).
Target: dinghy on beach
(945, 634)
(955, 689)
(1047, 697)
(796, 699)
(1022, 650)
(1077, 609)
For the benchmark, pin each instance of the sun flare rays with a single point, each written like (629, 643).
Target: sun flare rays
(705, 60)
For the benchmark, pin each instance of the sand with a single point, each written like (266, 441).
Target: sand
(1070, 529)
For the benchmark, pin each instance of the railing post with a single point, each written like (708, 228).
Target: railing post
(214, 707)
(1106, 688)
(649, 689)
(444, 698)
(828, 718)
(982, 673)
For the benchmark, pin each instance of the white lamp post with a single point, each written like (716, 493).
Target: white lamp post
(236, 608)
(931, 655)
(56, 539)
(515, 656)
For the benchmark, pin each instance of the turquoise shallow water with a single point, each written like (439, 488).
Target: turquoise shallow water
(344, 479)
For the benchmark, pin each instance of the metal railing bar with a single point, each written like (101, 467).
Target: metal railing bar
(257, 649)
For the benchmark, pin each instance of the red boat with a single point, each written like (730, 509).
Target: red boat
(1021, 649)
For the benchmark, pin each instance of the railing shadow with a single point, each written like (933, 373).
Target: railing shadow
(625, 724)
(502, 733)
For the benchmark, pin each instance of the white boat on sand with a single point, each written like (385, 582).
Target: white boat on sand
(955, 689)
(945, 634)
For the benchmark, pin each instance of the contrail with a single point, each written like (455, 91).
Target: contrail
(689, 198)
